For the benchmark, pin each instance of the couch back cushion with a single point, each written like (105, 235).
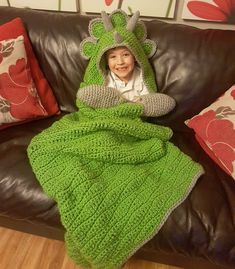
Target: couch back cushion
(192, 65)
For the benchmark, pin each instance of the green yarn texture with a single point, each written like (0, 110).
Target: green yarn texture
(100, 40)
(115, 179)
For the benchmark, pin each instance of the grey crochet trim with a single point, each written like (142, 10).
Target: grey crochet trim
(106, 20)
(154, 47)
(133, 21)
(156, 104)
(84, 41)
(119, 11)
(91, 24)
(100, 96)
(143, 26)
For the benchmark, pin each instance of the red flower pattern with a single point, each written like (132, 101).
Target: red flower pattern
(108, 2)
(18, 89)
(6, 50)
(208, 127)
(233, 94)
(222, 10)
(1, 55)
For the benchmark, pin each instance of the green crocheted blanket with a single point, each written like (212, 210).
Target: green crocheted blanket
(115, 179)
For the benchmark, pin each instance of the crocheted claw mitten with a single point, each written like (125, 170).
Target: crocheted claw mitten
(100, 96)
(156, 104)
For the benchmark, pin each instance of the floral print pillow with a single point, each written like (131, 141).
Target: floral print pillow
(19, 100)
(214, 128)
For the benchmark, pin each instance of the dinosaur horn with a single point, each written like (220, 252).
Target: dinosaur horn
(132, 22)
(106, 20)
(117, 37)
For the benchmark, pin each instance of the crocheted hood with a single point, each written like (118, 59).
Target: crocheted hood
(115, 30)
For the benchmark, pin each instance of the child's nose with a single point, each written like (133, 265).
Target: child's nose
(120, 60)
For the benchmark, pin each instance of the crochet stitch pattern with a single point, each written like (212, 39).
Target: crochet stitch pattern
(155, 104)
(114, 177)
(111, 31)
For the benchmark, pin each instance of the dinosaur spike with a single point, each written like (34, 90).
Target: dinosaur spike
(117, 37)
(132, 22)
(107, 21)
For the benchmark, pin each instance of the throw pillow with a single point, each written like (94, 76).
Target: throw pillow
(214, 129)
(12, 30)
(19, 99)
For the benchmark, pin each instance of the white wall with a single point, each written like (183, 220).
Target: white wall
(74, 5)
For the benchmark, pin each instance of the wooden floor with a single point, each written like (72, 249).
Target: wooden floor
(23, 251)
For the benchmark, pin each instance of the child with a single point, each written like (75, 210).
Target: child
(124, 75)
(118, 69)
(114, 177)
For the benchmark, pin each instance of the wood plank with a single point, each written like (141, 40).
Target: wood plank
(20, 251)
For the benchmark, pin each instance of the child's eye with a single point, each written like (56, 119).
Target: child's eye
(126, 54)
(112, 56)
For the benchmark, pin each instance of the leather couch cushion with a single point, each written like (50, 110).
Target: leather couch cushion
(21, 196)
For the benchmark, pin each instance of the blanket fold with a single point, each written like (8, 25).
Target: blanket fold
(114, 177)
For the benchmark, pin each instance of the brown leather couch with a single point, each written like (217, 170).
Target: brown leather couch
(194, 66)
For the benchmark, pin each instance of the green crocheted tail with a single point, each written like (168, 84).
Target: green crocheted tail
(115, 180)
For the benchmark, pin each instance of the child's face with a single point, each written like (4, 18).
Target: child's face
(121, 62)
